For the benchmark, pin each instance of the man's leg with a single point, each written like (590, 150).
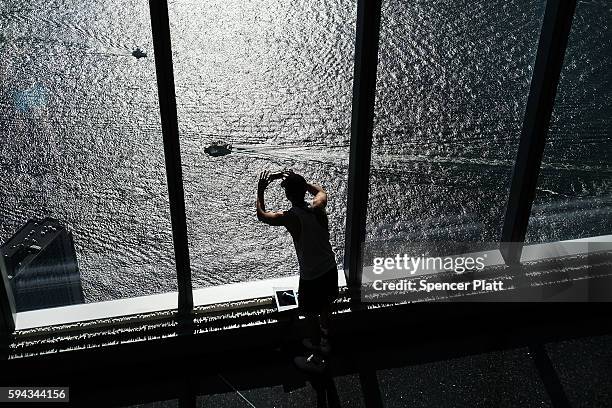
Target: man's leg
(318, 329)
(314, 362)
(324, 318)
(318, 343)
(314, 332)
(330, 289)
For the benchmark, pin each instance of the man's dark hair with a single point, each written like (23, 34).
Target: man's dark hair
(295, 186)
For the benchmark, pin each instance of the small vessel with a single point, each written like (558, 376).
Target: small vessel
(138, 53)
(218, 148)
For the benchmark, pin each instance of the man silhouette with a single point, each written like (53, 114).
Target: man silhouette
(309, 227)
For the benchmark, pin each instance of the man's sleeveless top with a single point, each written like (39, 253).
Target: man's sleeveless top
(313, 249)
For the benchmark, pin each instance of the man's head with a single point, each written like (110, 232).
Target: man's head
(295, 187)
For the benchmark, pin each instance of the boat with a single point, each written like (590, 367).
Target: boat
(138, 53)
(218, 148)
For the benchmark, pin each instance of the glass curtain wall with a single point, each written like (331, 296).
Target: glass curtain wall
(81, 142)
(273, 79)
(453, 81)
(271, 83)
(574, 193)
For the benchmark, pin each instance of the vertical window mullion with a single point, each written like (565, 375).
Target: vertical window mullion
(160, 26)
(362, 124)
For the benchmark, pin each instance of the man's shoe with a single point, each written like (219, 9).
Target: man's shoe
(312, 364)
(324, 347)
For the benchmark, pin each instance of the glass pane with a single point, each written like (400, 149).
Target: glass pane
(574, 194)
(81, 143)
(274, 80)
(453, 80)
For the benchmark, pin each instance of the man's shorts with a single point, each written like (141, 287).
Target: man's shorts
(317, 294)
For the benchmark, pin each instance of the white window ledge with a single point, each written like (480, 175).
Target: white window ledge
(261, 289)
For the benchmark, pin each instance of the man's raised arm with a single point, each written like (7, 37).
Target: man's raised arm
(320, 196)
(268, 217)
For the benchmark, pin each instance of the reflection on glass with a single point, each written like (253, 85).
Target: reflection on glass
(259, 85)
(40, 263)
(81, 143)
(453, 80)
(574, 194)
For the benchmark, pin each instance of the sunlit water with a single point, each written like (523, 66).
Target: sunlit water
(80, 138)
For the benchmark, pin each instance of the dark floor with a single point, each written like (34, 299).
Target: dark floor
(576, 373)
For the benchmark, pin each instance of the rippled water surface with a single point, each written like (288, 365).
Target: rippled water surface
(80, 138)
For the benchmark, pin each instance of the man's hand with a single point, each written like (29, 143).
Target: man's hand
(265, 178)
(279, 175)
(264, 181)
